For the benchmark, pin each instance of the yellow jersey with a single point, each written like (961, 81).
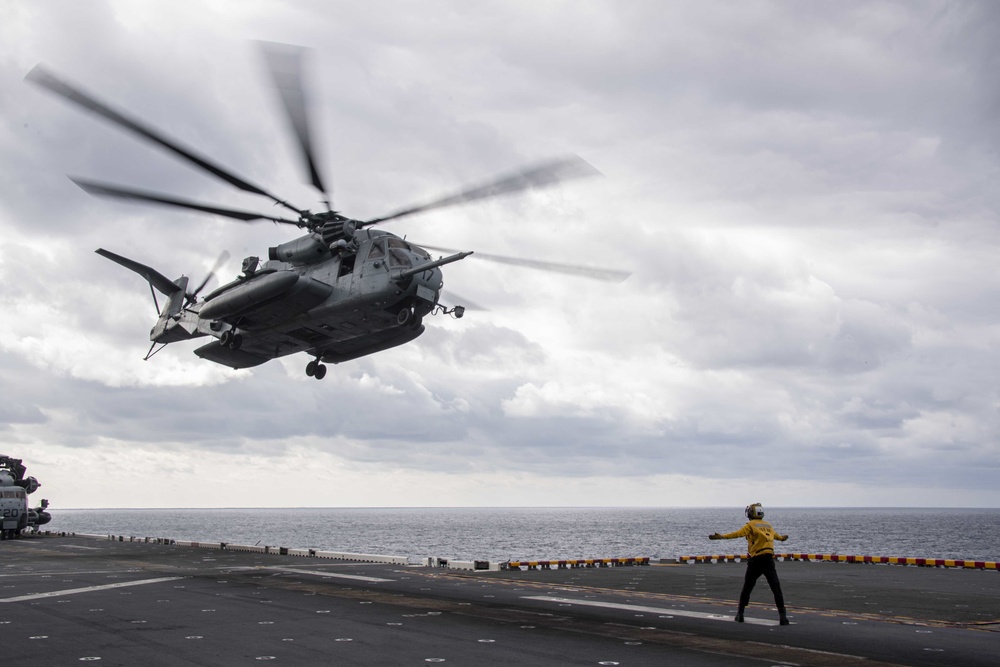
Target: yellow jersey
(760, 537)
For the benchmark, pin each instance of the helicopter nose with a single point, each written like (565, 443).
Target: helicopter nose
(429, 284)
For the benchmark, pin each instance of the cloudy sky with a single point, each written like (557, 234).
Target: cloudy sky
(806, 195)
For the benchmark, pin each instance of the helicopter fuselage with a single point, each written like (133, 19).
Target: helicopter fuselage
(337, 304)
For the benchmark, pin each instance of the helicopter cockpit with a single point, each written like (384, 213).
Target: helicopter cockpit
(396, 253)
(401, 253)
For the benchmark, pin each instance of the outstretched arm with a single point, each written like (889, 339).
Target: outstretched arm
(742, 532)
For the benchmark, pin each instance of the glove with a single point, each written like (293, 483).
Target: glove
(715, 536)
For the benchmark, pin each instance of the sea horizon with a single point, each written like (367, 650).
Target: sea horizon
(650, 507)
(514, 533)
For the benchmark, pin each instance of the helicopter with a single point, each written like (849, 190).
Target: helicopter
(15, 515)
(343, 290)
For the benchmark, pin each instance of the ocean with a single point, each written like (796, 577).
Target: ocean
(500, 533)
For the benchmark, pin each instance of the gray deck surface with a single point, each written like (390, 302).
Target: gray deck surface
(65, 600)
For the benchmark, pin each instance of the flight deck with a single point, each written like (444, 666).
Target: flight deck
(70, 599)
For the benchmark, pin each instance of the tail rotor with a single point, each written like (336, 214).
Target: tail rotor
(191, 297)
(176, 321)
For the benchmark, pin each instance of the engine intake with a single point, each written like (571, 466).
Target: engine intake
(335, 230)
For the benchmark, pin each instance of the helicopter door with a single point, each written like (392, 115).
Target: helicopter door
(346, 267)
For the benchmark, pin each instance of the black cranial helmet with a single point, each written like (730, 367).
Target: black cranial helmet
(755, 511)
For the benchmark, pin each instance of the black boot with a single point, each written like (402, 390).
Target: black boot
(782, 617)
(739, 615)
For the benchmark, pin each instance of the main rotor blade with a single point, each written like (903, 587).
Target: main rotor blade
(152, 276)
(42, 77)
(607, 275)
(102, 190)
(284, 63)
(541, 176)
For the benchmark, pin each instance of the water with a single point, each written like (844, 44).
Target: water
(499, 534)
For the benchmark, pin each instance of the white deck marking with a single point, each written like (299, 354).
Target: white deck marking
(63, 573)
(663, 611)
(323, 573)
(88, 589)
(78, 546)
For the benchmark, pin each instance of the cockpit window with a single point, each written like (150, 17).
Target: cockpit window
(396, 242)
(399, 257)
(376, 251)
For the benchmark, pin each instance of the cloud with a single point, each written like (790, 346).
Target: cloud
(805, 198)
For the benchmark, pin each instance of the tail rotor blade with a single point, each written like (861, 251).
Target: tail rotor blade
(223, 258)
(284, 64)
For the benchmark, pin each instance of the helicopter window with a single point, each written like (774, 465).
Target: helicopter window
(399, 257)
(376, 252)
(400, 243)
(346, 266)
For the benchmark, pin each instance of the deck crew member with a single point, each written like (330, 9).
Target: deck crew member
(760, 547)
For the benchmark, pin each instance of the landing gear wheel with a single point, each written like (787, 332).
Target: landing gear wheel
(311, 368)
(231, 339)
(320, 371)
(403, 316)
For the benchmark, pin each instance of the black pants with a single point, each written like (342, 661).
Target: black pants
(756, 566)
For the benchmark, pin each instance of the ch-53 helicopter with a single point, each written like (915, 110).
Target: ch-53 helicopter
(15, 515)
(342, 291)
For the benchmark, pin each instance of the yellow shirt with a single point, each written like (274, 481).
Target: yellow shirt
(760, 537)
